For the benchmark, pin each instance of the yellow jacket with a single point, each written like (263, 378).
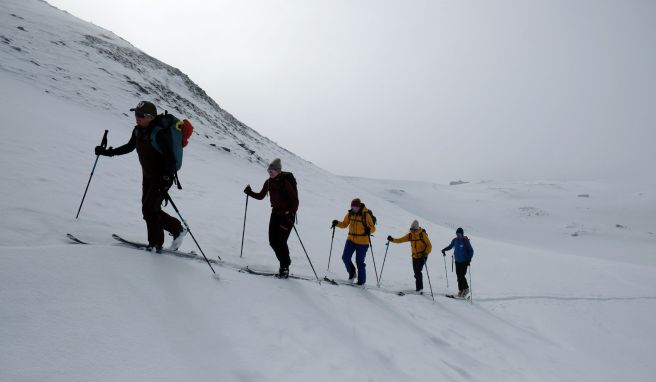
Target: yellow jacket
(356, 224)
(419, 242)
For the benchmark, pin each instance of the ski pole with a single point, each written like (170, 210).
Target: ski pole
(103, 143)
(446, 275)
(374, 259)
(243, 232)
(306, 254)
(189, 230)
(383, 266)
(428, 275)
(471, 295)
(451, 263)
(331, 248)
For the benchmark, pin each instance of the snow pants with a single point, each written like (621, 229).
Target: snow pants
(156, 220)
(417, 266)
(461, 273)
(280, 227)
(360, 254)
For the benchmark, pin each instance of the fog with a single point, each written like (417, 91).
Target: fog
(424, 90)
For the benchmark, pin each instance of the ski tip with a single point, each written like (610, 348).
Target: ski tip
(74, 239)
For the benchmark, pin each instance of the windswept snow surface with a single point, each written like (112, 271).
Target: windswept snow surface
(548, 306)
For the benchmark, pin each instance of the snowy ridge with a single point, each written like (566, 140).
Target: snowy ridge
(91, 66)
(548, 306)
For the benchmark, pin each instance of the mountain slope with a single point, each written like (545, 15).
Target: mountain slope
(77, 61)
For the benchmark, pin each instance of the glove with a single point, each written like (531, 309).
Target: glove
(248, 190)
(334, 224)
(443, 253)
(166, 182)
(103, 151)
(367, 231)
(389, 238)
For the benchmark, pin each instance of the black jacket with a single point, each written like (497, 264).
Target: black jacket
(153, 163)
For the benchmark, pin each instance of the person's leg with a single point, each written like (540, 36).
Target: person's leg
(461, 270)
(347, 255)
(278, 236)
(151, 208)
(360, 254)
(273, 235)
(417, 266)
(170, 224)
(283, 236)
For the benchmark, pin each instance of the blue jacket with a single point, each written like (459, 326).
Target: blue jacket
(463, 251)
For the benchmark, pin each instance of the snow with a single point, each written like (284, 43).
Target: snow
(548, 306)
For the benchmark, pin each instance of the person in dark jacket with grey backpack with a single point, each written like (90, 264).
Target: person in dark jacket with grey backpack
(462, 253)
(158, 174)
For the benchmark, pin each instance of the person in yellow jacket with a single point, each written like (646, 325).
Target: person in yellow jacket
(421, 247)
(360, 224)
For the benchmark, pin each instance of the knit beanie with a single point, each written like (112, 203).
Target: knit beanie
(414, 225)
(356, 203)
(275, 165)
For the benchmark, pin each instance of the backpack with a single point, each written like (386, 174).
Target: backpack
(469, 250)
(370, 212)
(291, 179)
(176, 135)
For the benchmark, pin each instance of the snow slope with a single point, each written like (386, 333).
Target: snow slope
(105, 313)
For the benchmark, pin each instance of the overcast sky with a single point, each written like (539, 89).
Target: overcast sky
(427, 90)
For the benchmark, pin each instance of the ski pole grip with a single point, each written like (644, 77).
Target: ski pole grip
(103, 143)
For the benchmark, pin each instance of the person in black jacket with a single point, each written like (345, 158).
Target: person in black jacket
(284, 204)
(158, 172)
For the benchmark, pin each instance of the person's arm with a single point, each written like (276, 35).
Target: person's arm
(450, 246)
(163, 139)
(429, 246)
(370, 223)
(402, 239)
(293, 196)
(260, 195)
(470, 249)
(126, 148)
(344, 223)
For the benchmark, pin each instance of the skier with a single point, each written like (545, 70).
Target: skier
(281, 187)
(463, 254)
(421, 248)
(158, 172)
(361, 225)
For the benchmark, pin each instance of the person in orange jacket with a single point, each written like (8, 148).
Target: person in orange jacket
(361, 226)
(421, 247)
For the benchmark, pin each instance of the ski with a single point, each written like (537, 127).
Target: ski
(457, 297)
(272, 274)
(342, 282)
(75, 240)
(330, 281)
(143, 246)
(406, 292)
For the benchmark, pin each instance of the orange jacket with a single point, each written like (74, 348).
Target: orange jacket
(419, 242)
(356, 224)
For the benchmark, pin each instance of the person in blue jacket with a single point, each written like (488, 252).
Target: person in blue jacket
(463, 253)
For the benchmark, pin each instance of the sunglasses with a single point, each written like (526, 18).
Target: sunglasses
(140, 115)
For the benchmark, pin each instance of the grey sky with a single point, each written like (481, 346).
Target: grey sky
(426, 90)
